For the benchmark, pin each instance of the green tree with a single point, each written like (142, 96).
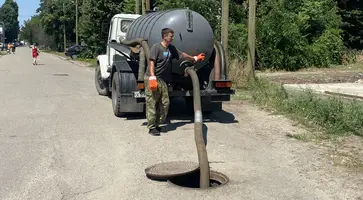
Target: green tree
(9, 16)
(57, 14)
(96, 15)
(351, 12)
(298, 34)
(128, 7)
(33, 32)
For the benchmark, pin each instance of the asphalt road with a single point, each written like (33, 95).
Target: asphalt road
(59, 140)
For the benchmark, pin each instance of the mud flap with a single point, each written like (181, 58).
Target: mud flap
(123, 100)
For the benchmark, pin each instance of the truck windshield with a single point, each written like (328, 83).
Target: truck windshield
(125, 25)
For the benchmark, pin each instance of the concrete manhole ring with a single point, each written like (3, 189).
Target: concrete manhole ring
(192, 180)
(167, 170)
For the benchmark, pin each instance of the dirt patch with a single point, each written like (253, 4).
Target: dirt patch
(335, 74)
(331, 165)
(344, 151)
(348, 151)
(314, 77)
(360, 58)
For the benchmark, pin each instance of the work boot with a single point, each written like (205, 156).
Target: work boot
(163, 130)
(154, 132)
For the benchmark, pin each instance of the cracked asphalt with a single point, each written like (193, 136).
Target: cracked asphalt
(59, 140)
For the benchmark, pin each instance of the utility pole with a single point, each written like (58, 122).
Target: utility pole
(224, 31)
(143, 7)
(76, 22)
(137, 7)
(147, 5)
(251, 61)
(2, 35)
(64, 30)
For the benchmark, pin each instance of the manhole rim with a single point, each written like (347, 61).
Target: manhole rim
(212, 175)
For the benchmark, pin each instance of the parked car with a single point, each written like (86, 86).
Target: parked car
(74, 51)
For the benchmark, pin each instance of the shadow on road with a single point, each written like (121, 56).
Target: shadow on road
(179, 112)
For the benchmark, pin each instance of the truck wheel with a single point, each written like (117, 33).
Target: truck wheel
(101, 85)
(116, 96)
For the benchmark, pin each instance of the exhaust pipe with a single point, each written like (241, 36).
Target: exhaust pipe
(217, 64)
(222, 57)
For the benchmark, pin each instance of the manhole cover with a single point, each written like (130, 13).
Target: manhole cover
(60, 75)
(170, 169)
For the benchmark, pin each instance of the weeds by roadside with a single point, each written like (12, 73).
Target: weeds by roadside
(336, 116)
(333, 122)
(89, 62)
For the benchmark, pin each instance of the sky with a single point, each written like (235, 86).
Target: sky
(27, 8)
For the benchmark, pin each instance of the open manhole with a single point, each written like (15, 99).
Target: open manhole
(192, 180)
(183, 174)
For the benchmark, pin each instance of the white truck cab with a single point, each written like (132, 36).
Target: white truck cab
(117, 29)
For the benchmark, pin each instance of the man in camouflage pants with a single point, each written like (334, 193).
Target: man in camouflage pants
(158, 75)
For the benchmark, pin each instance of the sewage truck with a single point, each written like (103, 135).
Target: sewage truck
(120, 72)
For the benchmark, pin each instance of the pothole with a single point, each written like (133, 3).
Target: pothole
(192, 180)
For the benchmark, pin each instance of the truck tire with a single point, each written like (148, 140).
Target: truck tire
(116, 95)
(123, 102)
(101, 85)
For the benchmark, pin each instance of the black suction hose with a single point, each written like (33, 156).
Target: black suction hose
(198, 131)
(145, 50)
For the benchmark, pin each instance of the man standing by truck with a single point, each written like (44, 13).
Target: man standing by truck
(158, 75)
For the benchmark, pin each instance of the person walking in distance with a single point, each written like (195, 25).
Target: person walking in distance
(35, 54)
(158, 75)
(14, 47)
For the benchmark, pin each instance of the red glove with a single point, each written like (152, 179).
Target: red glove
(153, 83)
(199, 57)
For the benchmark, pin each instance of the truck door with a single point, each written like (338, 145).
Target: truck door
(111, 38)
(118, 30)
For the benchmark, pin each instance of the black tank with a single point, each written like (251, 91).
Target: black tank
(192, 32)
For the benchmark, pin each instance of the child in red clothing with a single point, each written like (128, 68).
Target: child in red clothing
(35, 54)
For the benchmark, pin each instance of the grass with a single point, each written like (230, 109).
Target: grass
(2, 53)
(91, 62)
(334, 115)
(334, 122)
